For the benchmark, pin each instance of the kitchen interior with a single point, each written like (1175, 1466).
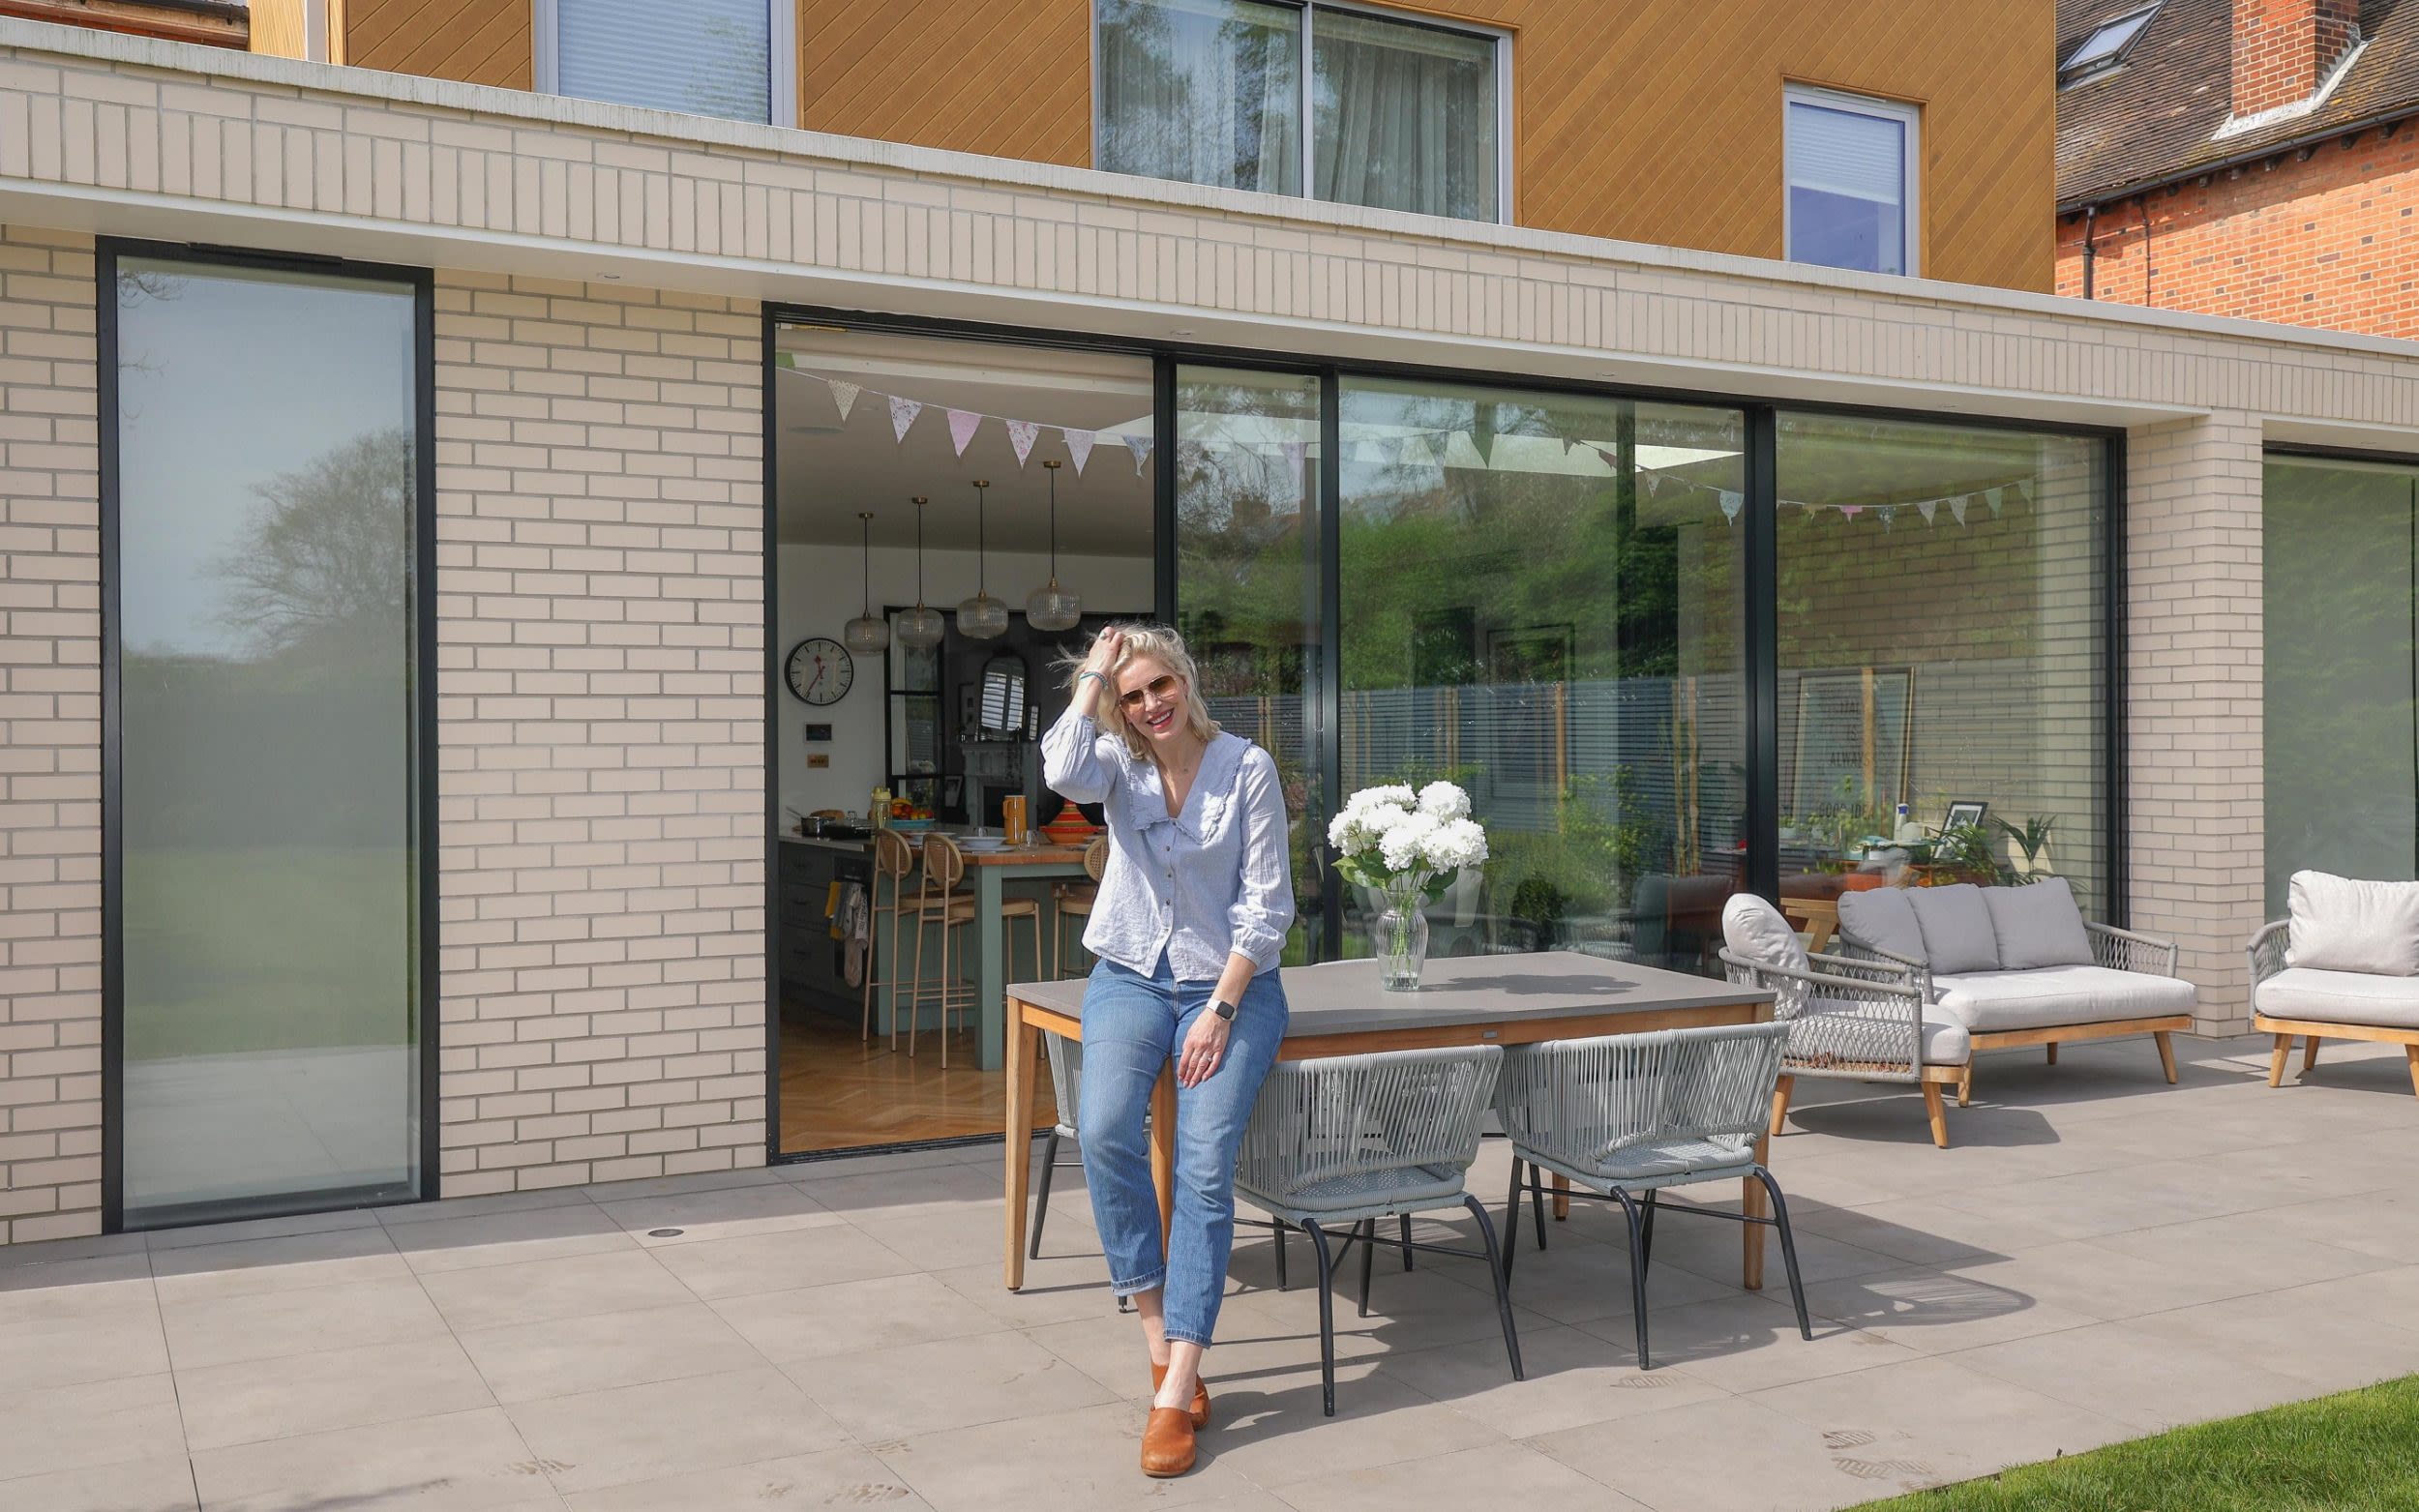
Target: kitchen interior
(920, 646)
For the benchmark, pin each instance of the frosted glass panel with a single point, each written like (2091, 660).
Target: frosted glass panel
(702, 57)
(266, 504)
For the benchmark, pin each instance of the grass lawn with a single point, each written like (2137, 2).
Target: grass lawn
(2346, 1453)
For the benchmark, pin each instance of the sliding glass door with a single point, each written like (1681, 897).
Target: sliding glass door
(265, 819)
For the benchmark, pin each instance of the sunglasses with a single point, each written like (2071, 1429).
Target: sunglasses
(1162, 688)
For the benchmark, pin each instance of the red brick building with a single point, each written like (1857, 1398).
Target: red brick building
(2252, 158)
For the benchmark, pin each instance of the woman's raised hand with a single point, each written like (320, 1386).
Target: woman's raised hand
(1105, 649)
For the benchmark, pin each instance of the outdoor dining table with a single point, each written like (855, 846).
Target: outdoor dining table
(1339, 1009)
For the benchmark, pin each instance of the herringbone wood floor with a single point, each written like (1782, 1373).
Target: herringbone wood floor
(840, 1093)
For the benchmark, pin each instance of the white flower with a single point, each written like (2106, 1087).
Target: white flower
(1453, 844)
(1444, 801)
(1405, 846)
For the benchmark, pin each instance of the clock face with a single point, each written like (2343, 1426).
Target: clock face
(820, 671)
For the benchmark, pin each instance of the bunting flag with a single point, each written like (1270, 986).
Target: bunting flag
(1925, 509)
(903, 413)
(1021, 435)
(1851, 511)
(1654, 484)
(844, 394)
(1888, 513)
(1078, 446)
(962, 427)
(1956, 507)
(1993, 497)
(1731, 502)
(1139, 446)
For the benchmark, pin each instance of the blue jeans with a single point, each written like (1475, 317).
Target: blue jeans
(1133, 1025)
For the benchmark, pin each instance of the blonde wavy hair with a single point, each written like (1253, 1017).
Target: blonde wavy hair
(1157, 642)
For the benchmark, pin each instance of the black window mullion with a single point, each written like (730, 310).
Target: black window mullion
(1761, 621)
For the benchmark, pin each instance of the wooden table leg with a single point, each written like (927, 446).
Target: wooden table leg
(1752, 1236)
(1562, 1197)
(990, 971)
(1163, 1148)
(1023, 1048)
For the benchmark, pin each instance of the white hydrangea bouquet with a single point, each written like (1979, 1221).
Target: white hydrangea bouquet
(1407, 847)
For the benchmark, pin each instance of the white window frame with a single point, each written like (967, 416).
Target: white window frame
(1898, 111)
(781, 37)
(1501, 38)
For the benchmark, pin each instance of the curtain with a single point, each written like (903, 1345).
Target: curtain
(1404, 116)
(1206, 91)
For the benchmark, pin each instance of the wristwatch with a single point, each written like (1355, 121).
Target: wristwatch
(1222, 1008)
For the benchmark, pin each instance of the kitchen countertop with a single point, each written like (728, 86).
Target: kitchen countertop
(847, 848)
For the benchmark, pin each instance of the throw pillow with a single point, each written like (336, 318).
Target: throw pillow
(1957, 928)
(2038, 925)
(2339, 924)
(1754, 931)
(1882, 917)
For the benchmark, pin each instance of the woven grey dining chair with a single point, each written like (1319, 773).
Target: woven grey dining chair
(1341, 1143)
(1629, 1114)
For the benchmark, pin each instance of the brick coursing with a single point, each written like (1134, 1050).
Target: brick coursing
(49, 739)
(600, 732)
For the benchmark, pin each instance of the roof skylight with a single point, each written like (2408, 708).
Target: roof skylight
(2104, 48)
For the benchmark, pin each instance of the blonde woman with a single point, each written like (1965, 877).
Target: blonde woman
(1192, 913)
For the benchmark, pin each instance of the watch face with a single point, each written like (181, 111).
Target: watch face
(820, 670)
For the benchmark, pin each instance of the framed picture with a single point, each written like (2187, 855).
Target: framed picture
(1854, 741)
(951, 788)
(1965, 811)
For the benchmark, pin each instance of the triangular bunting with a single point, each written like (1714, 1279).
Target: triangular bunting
(1482, 442)
(843, 395)
(1021, 435)
(1851, 511)
(1957, 508)
(1731, 503)
(1139, 446)
(1925, 508)
(1993, 497)
(1888, 513)
(963, 423)
(903, 413)
(1078, 446)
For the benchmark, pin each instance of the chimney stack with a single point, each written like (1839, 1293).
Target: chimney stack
(2285, 50)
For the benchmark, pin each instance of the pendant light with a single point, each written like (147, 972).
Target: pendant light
(1053, 608)
(867, 635)
(982, 616)
(920, 627)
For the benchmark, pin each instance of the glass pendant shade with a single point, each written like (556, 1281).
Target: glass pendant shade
(919, 628)
(1053, 608)
(866, 635)
(982, 616)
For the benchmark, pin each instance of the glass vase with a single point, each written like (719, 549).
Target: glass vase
(1400, 937)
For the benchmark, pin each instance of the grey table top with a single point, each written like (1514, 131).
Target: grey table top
(1344, 997)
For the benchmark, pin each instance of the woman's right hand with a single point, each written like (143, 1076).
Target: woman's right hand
(1092, 682)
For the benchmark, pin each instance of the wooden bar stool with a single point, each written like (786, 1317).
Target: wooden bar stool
(893, 859)
(939, 902)
(1075, 900)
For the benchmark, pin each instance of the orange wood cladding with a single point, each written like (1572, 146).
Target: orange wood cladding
(477, 41)
(1645, 120)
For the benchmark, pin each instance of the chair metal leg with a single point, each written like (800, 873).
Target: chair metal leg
(1369, 1260)
(1406, 1241)
(1041, 1190)
(1646, 1234)
(1788, 1250)
(1277, 1231)
(1497, 1272)
(1536, 1200)
(1327, 1315)
(1637, 1270)
(1512, 1218)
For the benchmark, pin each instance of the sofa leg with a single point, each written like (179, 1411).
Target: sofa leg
(1965, 1087)
(2309, 1054)
(2054, 1053)
(1780, 1104)
(2166, 1052)
(2412, 1051)
(1938, 1114)
(2276, 1061)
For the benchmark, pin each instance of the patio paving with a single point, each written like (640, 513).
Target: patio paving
(2100, 1256)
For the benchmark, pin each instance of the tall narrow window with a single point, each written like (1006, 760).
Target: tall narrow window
(704, 57)
(1288, 98)
(266, 815)
(1852, 182)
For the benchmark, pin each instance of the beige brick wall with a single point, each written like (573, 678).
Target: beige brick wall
(600, 729)
(2195, 696)
(49, 740)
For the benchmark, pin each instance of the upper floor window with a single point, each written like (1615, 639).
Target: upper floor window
(1343, 103)
(733, 58)
(1851, 165)
(2105, 47)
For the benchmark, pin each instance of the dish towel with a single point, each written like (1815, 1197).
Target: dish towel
(853, 924)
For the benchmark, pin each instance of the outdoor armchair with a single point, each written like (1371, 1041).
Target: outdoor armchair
(1337, 1143)
(2345, 966)
(1626, 1115)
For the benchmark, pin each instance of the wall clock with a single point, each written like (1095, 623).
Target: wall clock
(820, 670)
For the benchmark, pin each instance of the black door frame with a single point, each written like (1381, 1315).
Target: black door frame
(422, 281)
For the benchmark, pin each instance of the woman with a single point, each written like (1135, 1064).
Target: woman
(1191, 915)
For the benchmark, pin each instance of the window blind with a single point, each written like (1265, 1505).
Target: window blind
(1844, 152)
(703, 58)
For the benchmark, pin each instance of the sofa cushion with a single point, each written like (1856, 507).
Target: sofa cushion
(1957, 934)
(1945, 1040)
(2339, 924)
(2389, 1002)
(1882, 917)
(1995, 1002)
(1754, 931)
(2038, 925)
